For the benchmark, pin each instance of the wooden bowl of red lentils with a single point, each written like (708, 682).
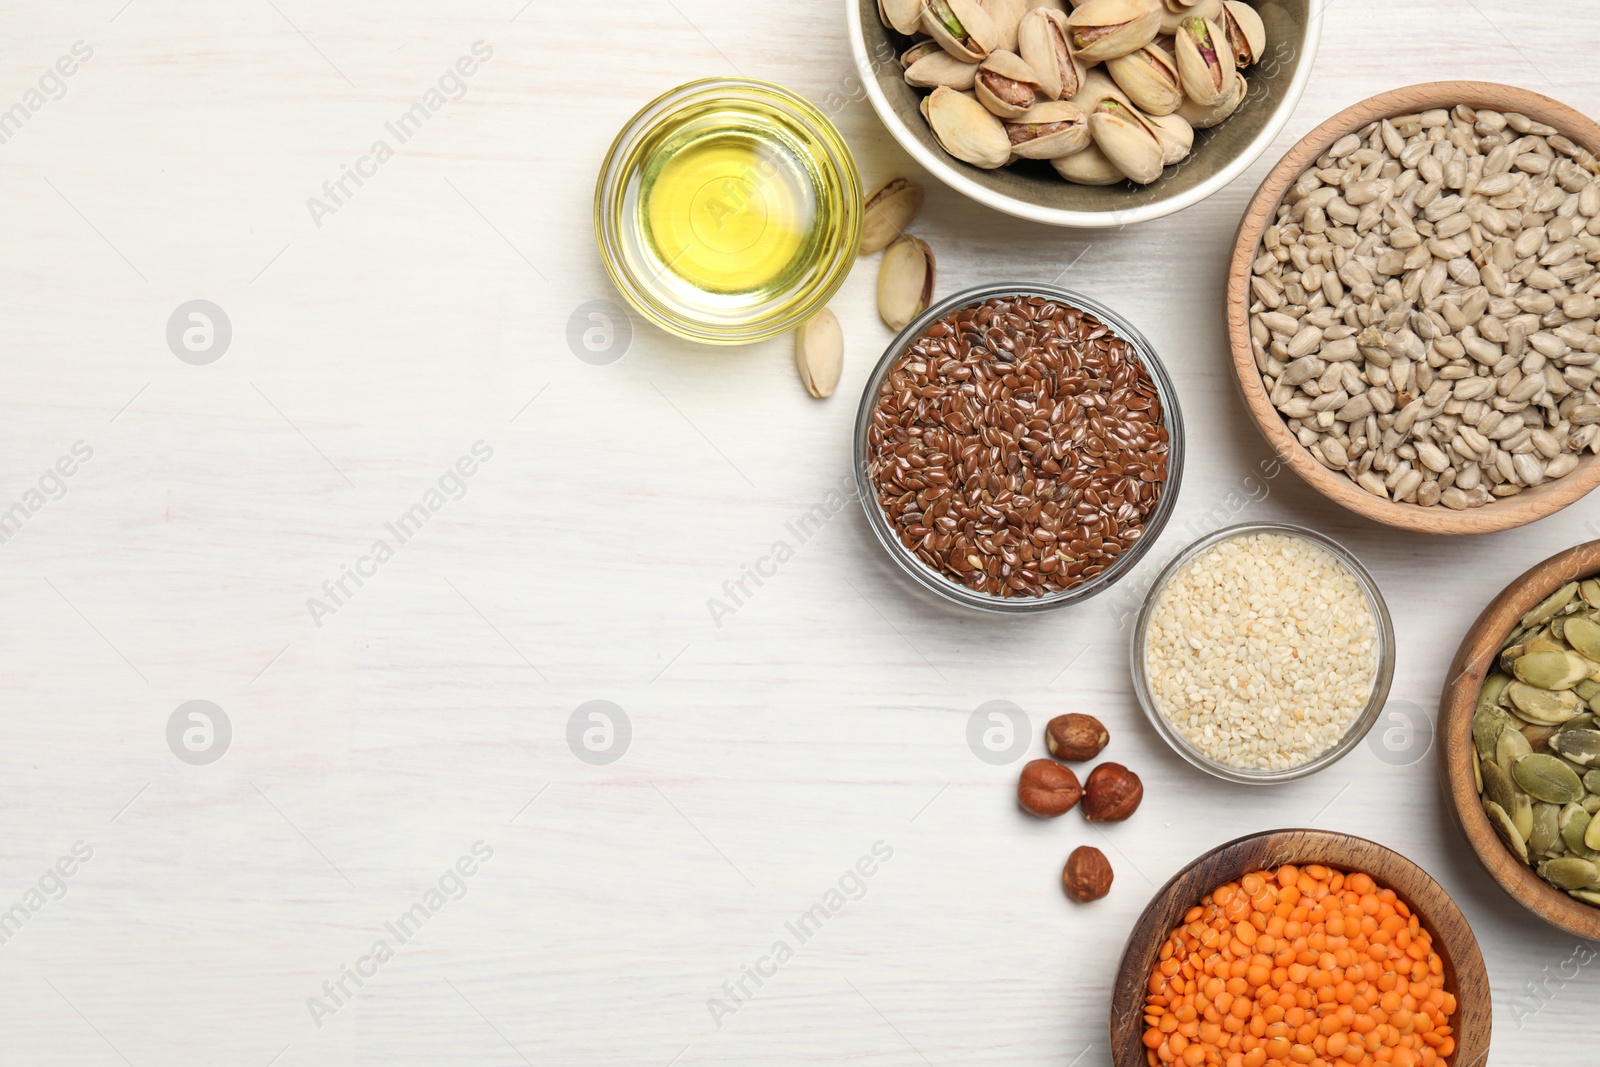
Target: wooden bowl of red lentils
(1301, 947)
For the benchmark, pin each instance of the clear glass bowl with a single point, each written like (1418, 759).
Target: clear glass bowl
(950, 590)
(728, 210)
(1359, 726)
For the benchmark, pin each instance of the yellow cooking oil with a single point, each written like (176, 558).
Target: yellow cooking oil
(732, 208)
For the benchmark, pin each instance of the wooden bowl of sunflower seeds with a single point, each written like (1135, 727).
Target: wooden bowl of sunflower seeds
(1412, 306)
(1508, 741)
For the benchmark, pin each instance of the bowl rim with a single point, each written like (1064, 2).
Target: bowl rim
(933, 581)
(1439, 913)
(1504, 514)
(943, 169)
(1359, 727)
(1458, 700)
(612, 179)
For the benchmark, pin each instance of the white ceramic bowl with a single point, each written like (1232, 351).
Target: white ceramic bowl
(1033, 191)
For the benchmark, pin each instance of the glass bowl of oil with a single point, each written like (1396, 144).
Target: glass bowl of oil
(728, 210)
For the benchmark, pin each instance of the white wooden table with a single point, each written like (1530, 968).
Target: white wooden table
(374, 343)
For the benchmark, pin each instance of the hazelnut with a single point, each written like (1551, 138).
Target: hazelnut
(1075, 738)
(1112, 793)
(1047, 789)
(1087, 875)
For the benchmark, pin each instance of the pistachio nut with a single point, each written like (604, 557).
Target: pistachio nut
(1150, 78)
(1175, 134)
(1173, 12)
(1580, 746)
(1007, 16)
(1006, 85)
(1205, 64)
(905, 281)
(966, 129)
(1547, 778)
(1042, 42)
(1088, 166)
(1106, 29)
(1507, 831)
(1127, 140)
(1204, 117)
(1049, 130)
(922, 49)
(1244, 31)
(941, 68)
(819, 353)
(888, 211)
(901, 16)
(1097, 86)
(962, 28)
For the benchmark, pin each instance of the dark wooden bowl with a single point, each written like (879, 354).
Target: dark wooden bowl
(1504, 514)
(1452, 937)
(1473, 661)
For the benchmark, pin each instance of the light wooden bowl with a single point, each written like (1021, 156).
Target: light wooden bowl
(1473, 661)
(1452, 937)
(1504, 514)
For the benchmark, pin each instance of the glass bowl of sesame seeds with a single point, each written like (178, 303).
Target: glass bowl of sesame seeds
(1018, 448)
(1263, 653)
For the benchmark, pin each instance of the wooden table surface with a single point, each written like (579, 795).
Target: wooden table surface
(377, 741)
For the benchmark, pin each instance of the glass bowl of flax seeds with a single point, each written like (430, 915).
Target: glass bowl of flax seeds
(1018, 448)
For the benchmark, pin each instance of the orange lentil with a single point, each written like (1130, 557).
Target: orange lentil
(1299, 965)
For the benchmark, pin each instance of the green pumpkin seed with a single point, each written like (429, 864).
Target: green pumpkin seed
(1542, 642)
(1542, 706)
(1547, 608)
(1590, 803)
(1589, 590)
(1477, 777)
(1588, 896)
(1546, 833)
(1499, 787)
(1507, 831)
(1591, 835)
(1487, 722)
(1574, 823)
(1539, 736)
(1578, 746)
(1591, 781)
(1547, 778)
(1569, 872)
(1553, 669)
(1583, 634)
(1580, 721)
(1509, 747)
(1587, 689)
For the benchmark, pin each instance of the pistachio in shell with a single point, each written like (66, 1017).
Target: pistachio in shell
(1244, 31)
(962, 28)
(1202, 118)
(921, 50)
(1547, 778)
(1205, 64)
(1176, 136)
(819, 353)
(1006, 85)
(1173, 12)
(901, 16)
(888, 211)
(1106, 29)
(905, 281)
(1089, 166)
(1508, 832)
(1007, 16)
(1042, 43)
(1150, 78)
(966, 129)
(941, 68)
(1049, 130)
(1127, 141)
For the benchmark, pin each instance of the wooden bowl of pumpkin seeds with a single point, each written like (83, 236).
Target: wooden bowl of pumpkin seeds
(1519, 720)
